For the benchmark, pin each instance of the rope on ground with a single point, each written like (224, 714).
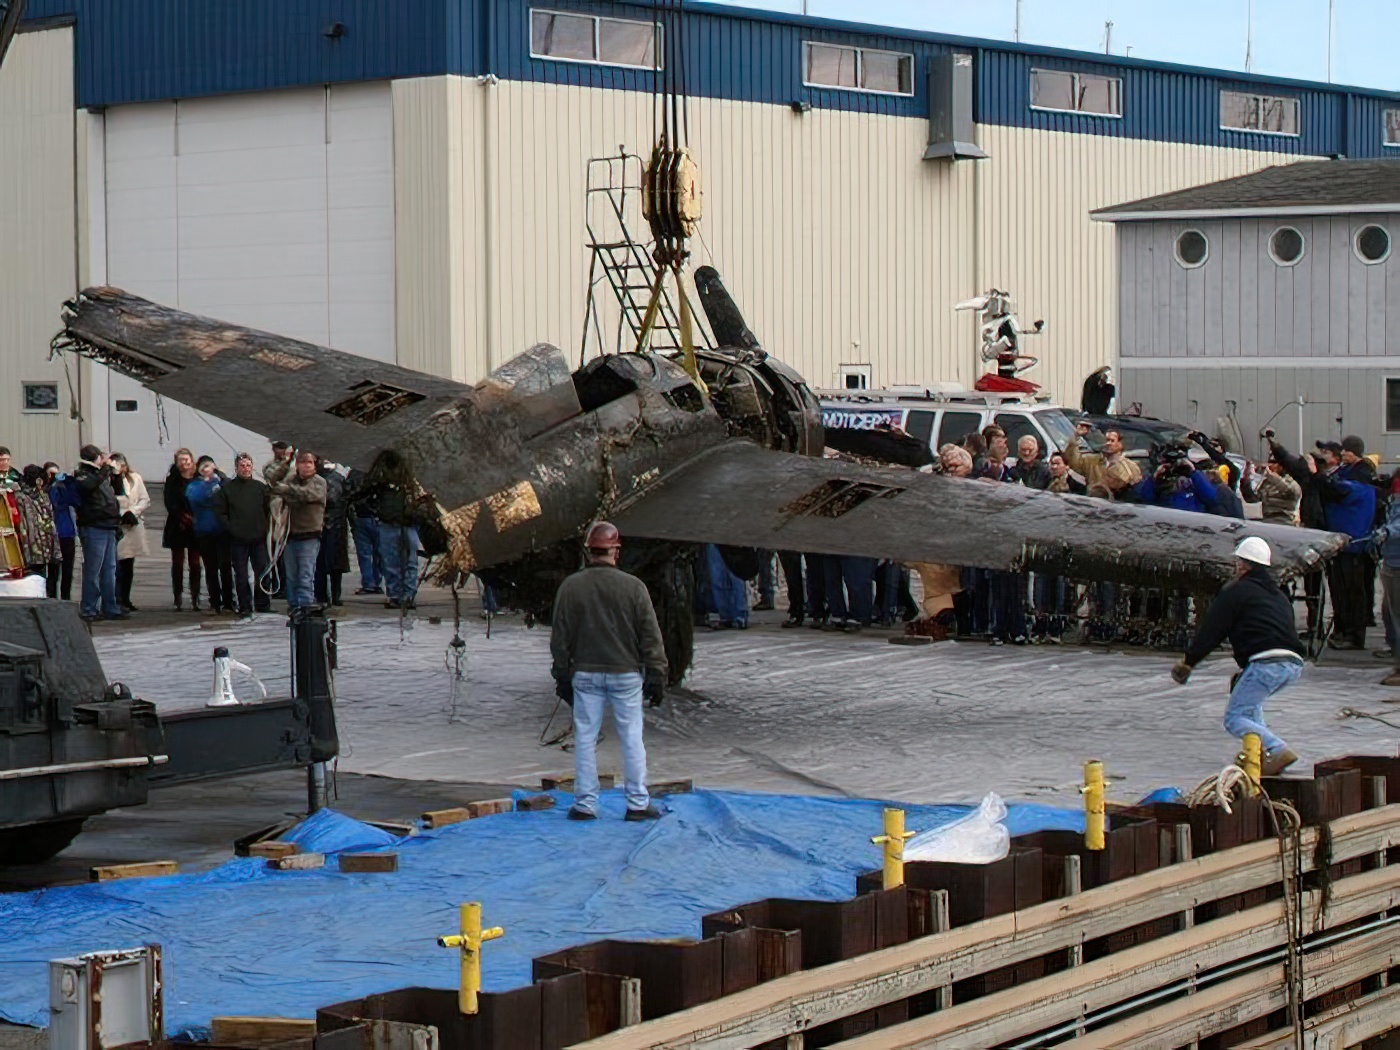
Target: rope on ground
(1351, 712)
(1287, 827)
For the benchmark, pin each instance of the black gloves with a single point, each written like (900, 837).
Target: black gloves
(129, 519)
(1181, 672)
(563, 686)
(654, 688)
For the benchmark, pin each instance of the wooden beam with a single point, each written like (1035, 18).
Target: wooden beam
(1235, 1002)
(803, 1000)
(259, 1031)
(144, 870)
(1064, 997)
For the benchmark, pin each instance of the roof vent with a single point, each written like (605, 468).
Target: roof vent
(951, 133)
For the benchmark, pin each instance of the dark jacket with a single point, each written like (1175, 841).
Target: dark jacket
(1310, 511)
(98, 507)
(1253, 613)
(1192, 492)
(1228, 503)
(603, 622)
(178, 533)
(241, 506)
(1035, 476)
(389, 503)
(1347, 506)
(337, 506)
(65, 496)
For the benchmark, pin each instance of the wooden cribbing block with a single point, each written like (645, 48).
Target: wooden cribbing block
(489, 807)
(271, 849)
(440, 818)
(259, 1031)
(565, 782)
(671, 787)
(369, 862)
(298, 862)
(535, 803)
(145, 870)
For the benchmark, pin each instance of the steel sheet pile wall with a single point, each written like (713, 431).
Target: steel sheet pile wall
(1196, 897)
(38, 166)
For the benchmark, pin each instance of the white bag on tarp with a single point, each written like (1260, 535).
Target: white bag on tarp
(978, 838)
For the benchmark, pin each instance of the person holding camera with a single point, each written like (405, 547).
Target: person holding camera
(99, 521)
(607, 650)
(1177, 484)
(1110, 468)
(1277, 494)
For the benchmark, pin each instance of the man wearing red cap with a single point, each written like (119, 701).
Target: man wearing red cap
(607, 649)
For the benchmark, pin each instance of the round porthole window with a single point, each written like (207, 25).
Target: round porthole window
(1286, 246)
(1192, 249)
(1372, 244)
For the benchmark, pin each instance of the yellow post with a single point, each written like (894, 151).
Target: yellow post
(893, 841)
(1251, 758)
(1093, 792)
(469, 941)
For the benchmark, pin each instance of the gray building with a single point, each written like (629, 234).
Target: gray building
(1274, 296)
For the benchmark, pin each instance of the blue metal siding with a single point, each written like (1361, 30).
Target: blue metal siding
(46, 10)
(137, 50)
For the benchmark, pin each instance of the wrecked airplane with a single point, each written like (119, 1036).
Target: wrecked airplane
(514, 468)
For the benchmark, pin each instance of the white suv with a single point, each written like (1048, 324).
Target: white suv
(937, 418)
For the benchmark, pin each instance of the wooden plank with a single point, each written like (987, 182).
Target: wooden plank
(144, 870)
(440, 818)
(1258, 994)
(368, 863)
(259, 1031)
(1064, 997)
(1353, 1023)
(271, 849)
(535, 803)
(829, 993)
(489, 807)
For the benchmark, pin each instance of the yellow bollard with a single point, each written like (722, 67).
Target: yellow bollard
(1093, 792)
(1251, 758)
(469, 941)
(893, 841)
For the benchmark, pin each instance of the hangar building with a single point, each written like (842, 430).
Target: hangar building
(406, 180)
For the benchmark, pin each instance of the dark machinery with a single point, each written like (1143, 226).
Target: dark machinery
(73, 745)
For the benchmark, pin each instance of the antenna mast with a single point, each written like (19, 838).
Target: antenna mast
(1249, 37)
(1018, 21)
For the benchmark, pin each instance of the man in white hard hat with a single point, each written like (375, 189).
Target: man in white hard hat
(1257, 617)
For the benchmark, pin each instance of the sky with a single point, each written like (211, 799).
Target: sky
(1289, 37)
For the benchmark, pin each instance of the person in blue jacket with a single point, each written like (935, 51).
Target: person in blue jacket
(215, 551)
(1385, 541)
(1348, 507)
(1177, 484)
(64, 496)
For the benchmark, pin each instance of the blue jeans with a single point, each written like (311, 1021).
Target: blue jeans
(365, 532)
(1257, 682)
(592, 692)
(301, 572)
(727, 591)
(398, 548)
(99, 571)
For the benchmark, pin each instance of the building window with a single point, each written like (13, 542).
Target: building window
(1392, 406)
(859, 69)
(855, 377)
(1267, 114)
(1391, 127)
(40, 397)
(1286, 246)
(1066, 92)
(590, 38)
(1192, 249)
(1372, 244)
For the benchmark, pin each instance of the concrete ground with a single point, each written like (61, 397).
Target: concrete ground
(795, 711)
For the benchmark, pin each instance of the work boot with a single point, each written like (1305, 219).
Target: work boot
(650, 813)
(764, 605)
(1275, 762)
(581, 814)
(793, 621)
(1391, 679)
(1383, 654)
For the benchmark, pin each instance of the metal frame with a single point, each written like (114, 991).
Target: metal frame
(1297, 110)
(658, 64)
(1356, 244)
(1302, 252)
(1176, 249)
(1076, 75)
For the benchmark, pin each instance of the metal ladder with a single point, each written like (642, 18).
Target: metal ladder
(613, 208)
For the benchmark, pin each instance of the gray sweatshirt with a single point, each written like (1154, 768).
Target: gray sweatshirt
(604, 623)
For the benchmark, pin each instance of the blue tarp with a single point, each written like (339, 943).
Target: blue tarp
(244, 939)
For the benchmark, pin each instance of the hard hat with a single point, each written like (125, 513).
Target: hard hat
(1255, 550)
(602, 536)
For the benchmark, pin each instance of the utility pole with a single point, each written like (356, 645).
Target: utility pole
(1249, 36)
(1331, 24)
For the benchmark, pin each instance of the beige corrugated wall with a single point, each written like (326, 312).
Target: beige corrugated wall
(839, 243)
(37, 230)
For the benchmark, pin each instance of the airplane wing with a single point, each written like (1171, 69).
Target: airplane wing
(310, 396)
(744, 495)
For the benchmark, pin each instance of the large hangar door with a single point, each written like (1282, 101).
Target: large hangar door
(272, 210)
